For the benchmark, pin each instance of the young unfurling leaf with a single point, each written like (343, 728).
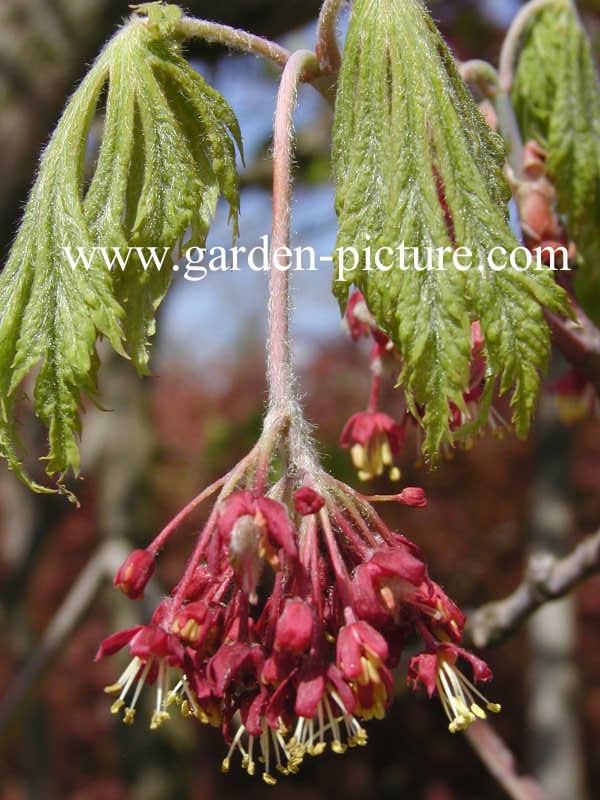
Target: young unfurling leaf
(556, 95)
(167, 152)
(415, 163)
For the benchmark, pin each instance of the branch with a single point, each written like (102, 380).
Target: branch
(103, 563)
(547, 579)
(501, 763)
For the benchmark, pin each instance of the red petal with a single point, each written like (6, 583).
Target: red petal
(308, 696)
(481, 671)
(423, 669)
(112, 644)
(280, 529)
(398, 561)
(238, 504)
(349, 652)
(365, 425)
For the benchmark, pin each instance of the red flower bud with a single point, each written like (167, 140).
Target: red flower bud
(294, 627)
(134, 573)
(412, 496)
(307, 501)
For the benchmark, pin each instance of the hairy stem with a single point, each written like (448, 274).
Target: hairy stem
(192, 28)
(328, 51)
(279, 371)
(481, 74)
(238, 39)
(512, 41)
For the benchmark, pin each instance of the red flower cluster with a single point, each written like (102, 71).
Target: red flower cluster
(287, 623)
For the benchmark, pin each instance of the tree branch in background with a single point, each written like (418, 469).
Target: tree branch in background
(102, 565)
(547, 579)
(501, 762)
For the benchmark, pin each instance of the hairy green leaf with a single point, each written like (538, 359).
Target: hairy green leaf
(556, 95)
(166, 153)
(415, 164)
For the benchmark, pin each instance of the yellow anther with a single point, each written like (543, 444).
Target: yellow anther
(117, 706)
(113, 688)
(225, 765)
(388, 597)
(186, 710)
(129, 716)
(269, 779)
(386, 453)
(358, 455)
(158, 717)
(190, 631)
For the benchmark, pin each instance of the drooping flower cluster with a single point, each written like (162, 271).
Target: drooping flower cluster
(288, 621)
(376, 439)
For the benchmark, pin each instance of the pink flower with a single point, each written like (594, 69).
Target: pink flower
(198, 625)
(462, 701)
(374, 439)
(269, 516)
(153, 652)
(356, 642)
(255, 529)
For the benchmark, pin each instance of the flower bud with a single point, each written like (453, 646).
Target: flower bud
(412, 496)
(307, 501)
(134, 573)
(294, 627)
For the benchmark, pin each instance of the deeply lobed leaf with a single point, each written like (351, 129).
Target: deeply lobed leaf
(556, 95)
(166, 154)
(415, 163)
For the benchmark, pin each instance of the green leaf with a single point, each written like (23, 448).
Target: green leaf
(162, 17)
(166, 153)
(556, 95)
(415, 163)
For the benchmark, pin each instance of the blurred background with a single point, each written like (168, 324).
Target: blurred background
(489, 508)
